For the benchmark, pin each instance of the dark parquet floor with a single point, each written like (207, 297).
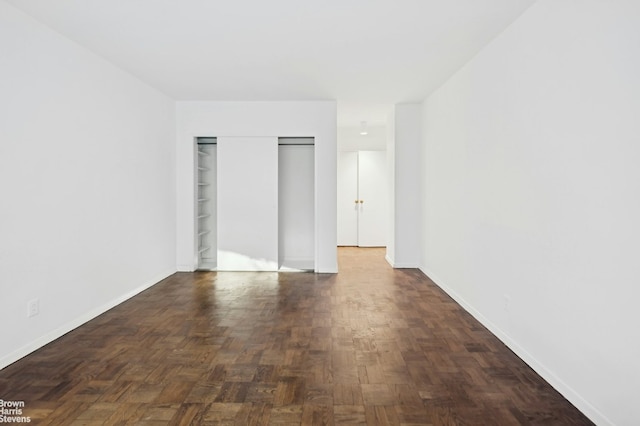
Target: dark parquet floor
(370, 345)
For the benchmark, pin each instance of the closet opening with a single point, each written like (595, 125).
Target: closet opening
(296, 204)
(255, 211)
(206, 204)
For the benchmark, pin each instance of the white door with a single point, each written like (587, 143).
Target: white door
(362, 199)
(247, 208)
(372, 198)
(347, 198)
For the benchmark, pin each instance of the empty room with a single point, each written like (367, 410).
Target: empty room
(336, 212)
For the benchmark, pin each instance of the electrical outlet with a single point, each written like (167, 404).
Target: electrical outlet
(33, 308)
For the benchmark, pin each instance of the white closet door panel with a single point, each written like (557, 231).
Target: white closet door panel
(372, 191)
(296, 207)
(247, 204)
(347, 196)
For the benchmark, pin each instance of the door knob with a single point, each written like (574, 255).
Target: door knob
(361, 201)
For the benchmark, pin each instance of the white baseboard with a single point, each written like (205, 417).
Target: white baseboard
(399, 265)
(77, 322)
(571, 395)
(389, 260)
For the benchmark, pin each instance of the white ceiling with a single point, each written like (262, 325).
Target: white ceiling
(364, 53)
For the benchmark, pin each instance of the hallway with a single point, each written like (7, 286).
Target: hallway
(370, 345)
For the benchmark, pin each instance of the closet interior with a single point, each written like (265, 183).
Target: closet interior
(206, 199)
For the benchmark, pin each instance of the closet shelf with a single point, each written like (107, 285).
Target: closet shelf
(205, 175)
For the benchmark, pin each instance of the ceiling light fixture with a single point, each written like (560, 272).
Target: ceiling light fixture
(363, 128)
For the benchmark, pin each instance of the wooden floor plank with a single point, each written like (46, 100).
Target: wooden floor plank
(370, 345)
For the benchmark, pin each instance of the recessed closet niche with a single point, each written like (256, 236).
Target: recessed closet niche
(255, 203)
(206, 199)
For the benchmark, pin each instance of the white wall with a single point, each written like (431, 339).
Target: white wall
(406, 203)
(86, 176)
(531, 198)
(280, 119)
(390, 254)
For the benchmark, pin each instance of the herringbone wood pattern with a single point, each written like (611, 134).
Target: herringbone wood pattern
(370, 345)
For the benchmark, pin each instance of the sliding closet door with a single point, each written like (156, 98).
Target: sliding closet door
(247, 207)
